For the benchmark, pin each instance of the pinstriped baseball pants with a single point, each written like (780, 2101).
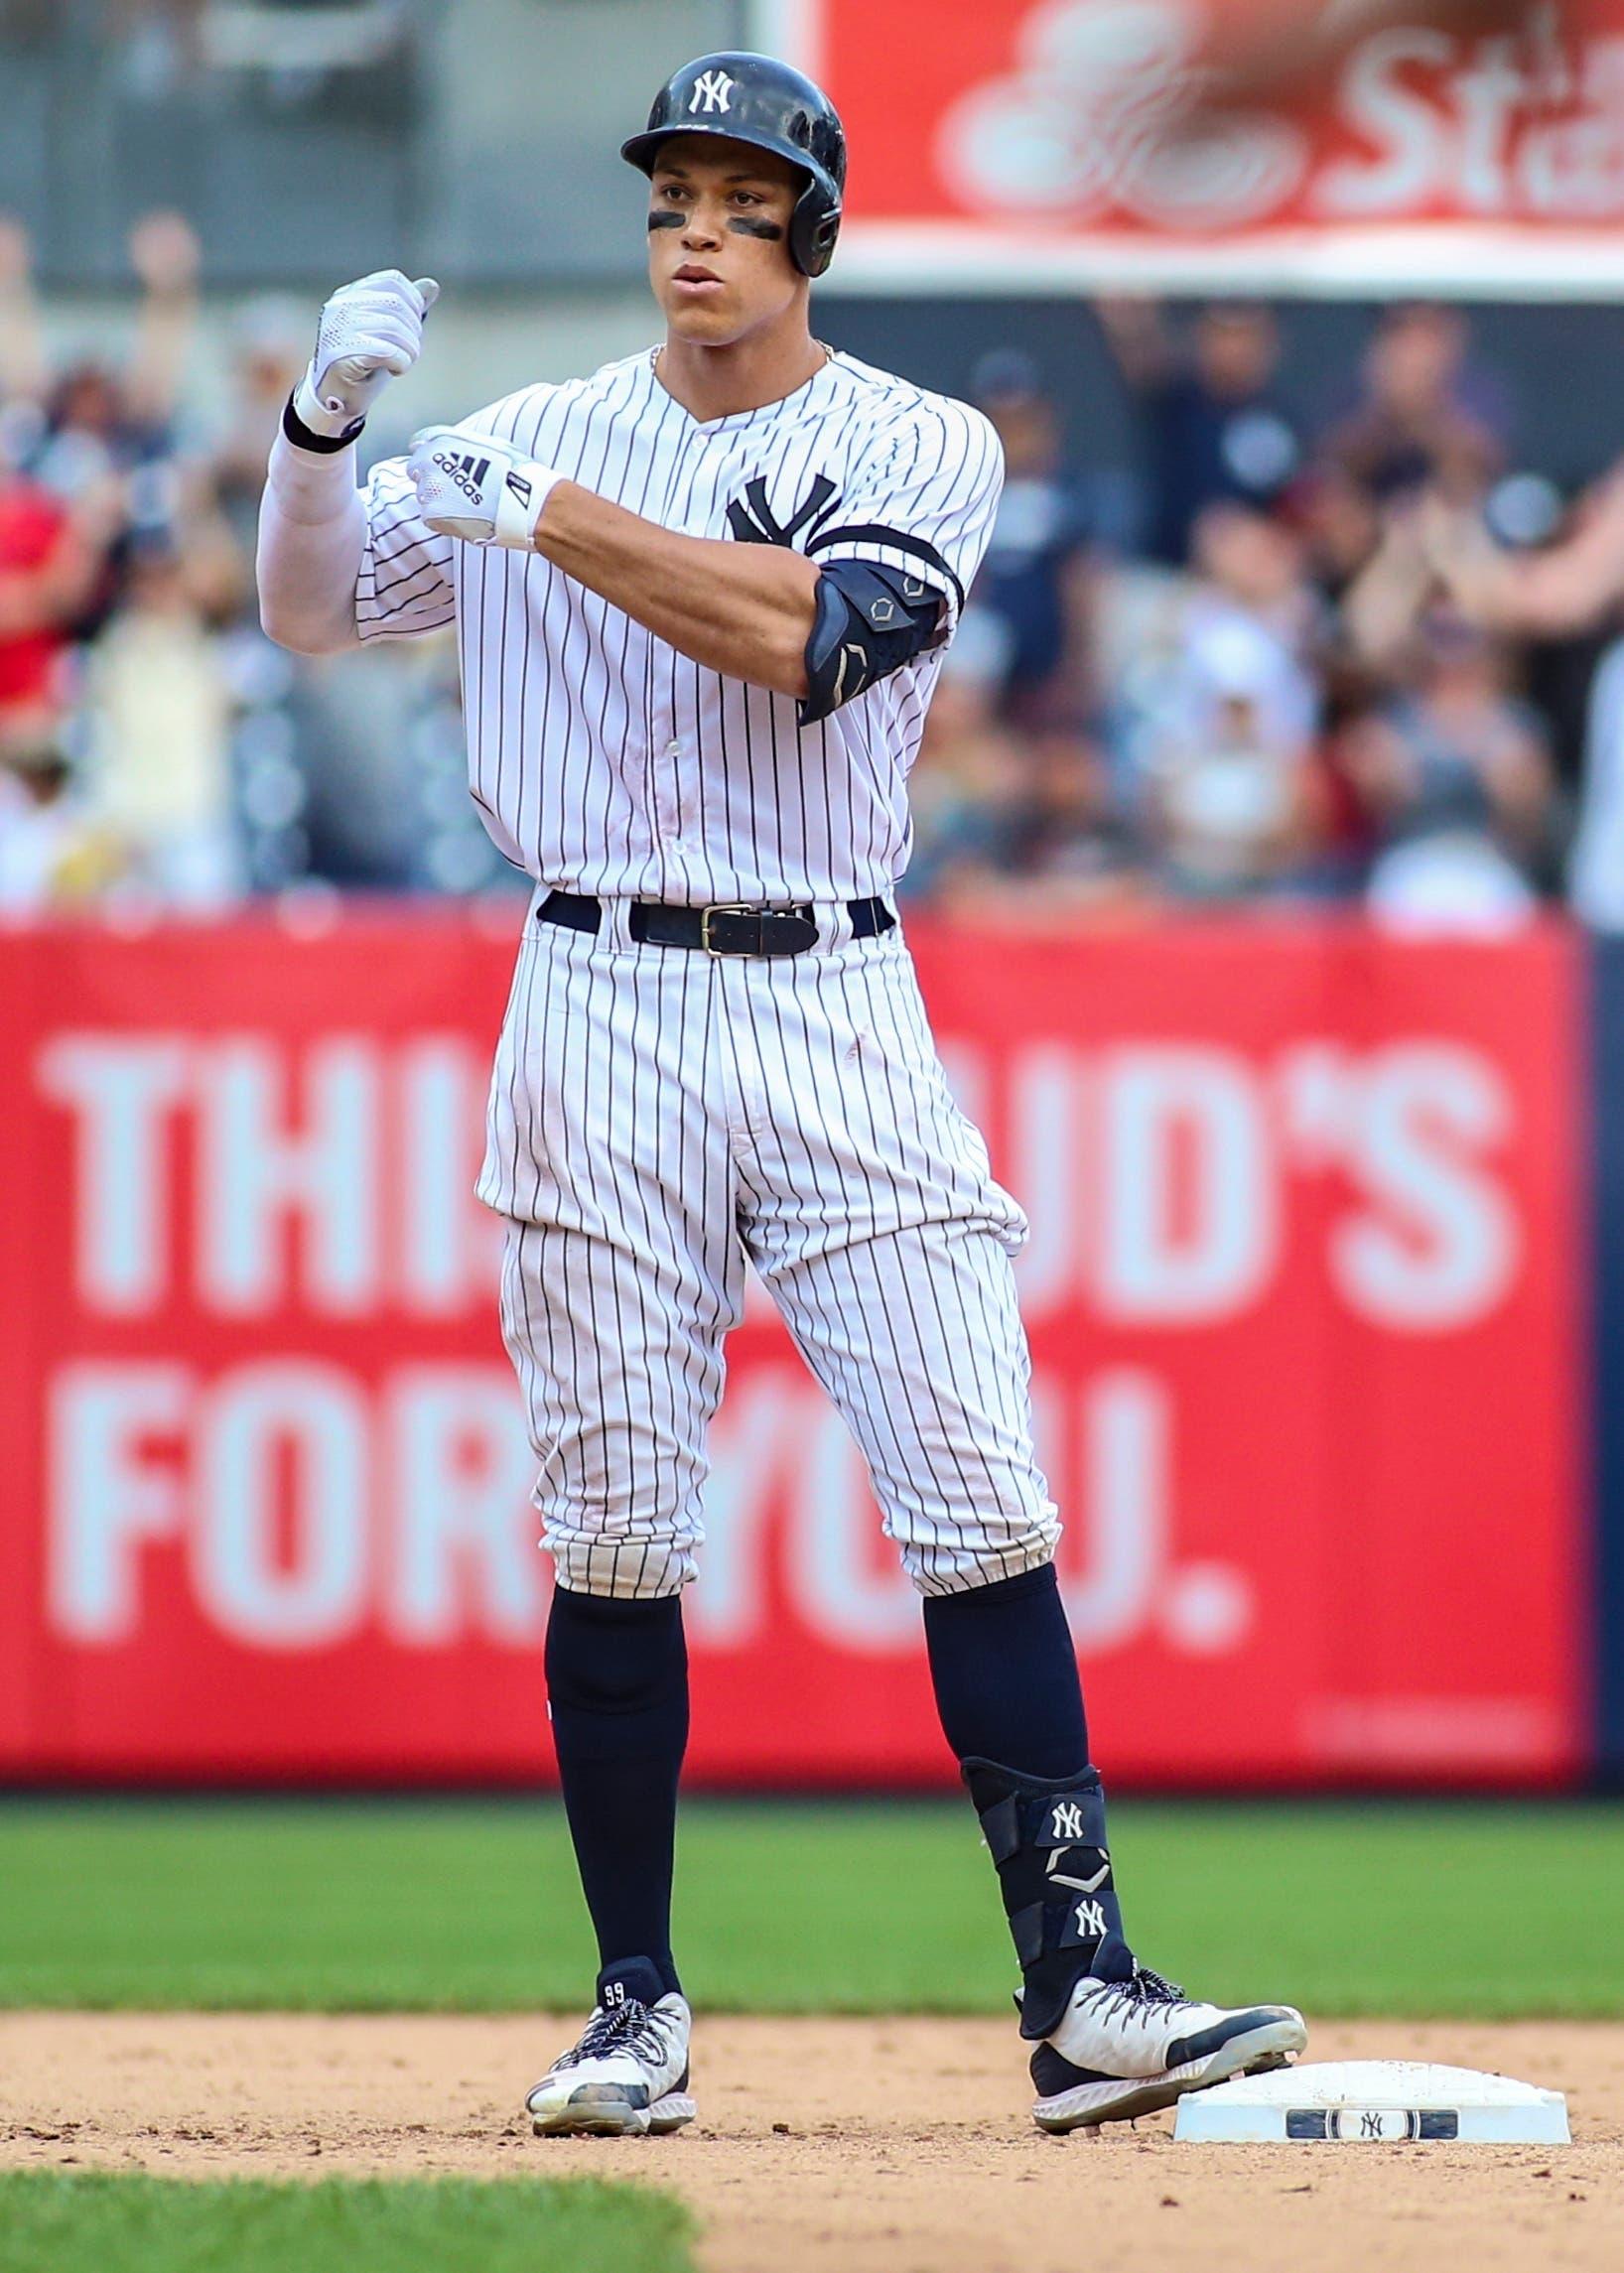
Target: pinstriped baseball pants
(656, 1118)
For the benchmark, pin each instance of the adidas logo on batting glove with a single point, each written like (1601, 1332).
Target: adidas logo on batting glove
(478, 489)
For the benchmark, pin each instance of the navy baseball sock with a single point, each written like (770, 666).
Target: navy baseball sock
(618, 1685)
(1005, 1672)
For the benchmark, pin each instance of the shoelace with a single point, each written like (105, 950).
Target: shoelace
(1140, 1993)
(630, 2027)
(1151, 1988)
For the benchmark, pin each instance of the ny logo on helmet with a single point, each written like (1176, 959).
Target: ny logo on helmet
(713, 91)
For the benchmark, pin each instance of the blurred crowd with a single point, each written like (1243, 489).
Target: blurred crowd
(1343, 662)
(156, 751)
(1361, 660)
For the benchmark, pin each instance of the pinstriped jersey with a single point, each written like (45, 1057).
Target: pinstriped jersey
(604, 761)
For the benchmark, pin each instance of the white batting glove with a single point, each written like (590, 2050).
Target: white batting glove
(471, 486)
(370, 333)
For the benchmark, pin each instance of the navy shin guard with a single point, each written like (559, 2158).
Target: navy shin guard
(1048, 1838)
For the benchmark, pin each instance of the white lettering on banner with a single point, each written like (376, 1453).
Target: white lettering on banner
(1123, 1508)
(255, 1174)
(312, 1510)
(1203, 1102)
(450, 1246)
(318, 1415)
(272, 1484)
(1488, 95)
(1483, 131)
(1159, 1176)
(1128, 1580)
(376, 1174)
(108, 1498)
(121, 1092)
(1443, 1249)
(1113, 108)
(1398, 123)
(1047, 1126)
(464, 1557)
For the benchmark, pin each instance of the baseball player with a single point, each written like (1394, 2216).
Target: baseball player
(702, 599)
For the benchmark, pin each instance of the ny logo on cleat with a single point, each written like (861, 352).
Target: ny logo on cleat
(713, 91)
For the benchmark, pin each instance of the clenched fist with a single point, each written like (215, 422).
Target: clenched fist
(481, 490)
(370, 333)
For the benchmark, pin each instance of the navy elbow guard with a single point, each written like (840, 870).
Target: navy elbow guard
(867, 621)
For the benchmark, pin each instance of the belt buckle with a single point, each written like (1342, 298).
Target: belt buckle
(720, 907)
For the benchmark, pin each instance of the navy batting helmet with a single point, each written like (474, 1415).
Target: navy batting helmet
(757, 99)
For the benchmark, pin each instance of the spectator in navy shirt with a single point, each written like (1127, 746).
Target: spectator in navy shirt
(1214, 429)
(1035, 581)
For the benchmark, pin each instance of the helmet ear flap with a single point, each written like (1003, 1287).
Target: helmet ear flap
(813, 229)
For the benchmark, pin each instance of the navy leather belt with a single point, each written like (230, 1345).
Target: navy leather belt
(722, 929)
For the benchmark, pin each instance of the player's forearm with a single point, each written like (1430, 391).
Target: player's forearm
(745, 610)
(311, 536)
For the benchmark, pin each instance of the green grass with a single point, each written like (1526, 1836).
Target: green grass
(1424, 1909)
(52, 2223)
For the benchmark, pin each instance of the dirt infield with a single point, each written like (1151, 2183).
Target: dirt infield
(895, 2146)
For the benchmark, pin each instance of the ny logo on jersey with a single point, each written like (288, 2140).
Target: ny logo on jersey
(1068, 1822)
(1090, 1921)
(713, 91)
(752, 521)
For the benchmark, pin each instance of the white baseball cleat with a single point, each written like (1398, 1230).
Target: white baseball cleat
(1126, 2048)
(627, 2075)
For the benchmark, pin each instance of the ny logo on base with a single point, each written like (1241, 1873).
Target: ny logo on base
(1068, 1821)
(713, 91)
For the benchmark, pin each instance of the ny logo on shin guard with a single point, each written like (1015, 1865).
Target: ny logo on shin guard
(1068, 1821)
(1090, 1921)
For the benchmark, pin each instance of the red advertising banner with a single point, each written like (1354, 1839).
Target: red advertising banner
(1303, 1290)
(1422, 145)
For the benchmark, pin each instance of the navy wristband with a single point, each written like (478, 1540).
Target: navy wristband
(304, 438)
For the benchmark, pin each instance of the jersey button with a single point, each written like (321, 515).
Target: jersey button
(673, 750)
